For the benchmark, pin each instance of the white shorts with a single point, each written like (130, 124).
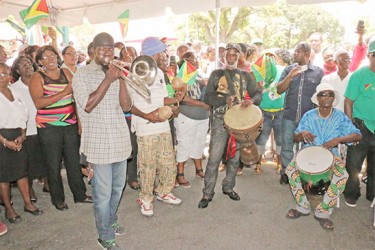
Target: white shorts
(191, 137)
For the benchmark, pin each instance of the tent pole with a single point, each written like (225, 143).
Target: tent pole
(217, 34)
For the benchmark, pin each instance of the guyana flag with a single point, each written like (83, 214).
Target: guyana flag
(123, 20)
(188, 73)
(37, 11)
(264, 69)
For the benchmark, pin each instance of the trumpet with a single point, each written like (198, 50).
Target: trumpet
(139, 74)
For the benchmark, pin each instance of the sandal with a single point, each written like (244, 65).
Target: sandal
(294, 214)
(200, 173)
(326, 224)
(184, 184)
(258, 167)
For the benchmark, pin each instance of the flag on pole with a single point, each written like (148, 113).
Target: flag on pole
(123, 20)
(37, 11)
(188, 73)
(264, 69)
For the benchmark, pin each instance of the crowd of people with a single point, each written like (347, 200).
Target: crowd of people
(94, 121)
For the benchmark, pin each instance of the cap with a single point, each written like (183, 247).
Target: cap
(371, 47)
(325, 87)
(233, 46)
(257, 41)
(152, 46)
(183, 45)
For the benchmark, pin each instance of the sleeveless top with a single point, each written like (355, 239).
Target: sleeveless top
(60, 113)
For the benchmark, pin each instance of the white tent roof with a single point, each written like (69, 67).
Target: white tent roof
(71, 12)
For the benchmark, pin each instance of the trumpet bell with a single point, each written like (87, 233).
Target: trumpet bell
(145, 68)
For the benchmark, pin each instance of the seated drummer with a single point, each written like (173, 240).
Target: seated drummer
(324, 126)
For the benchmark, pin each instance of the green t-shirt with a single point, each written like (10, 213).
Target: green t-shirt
(361, 90)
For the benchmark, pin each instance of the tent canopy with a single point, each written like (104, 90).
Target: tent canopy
(71, 12)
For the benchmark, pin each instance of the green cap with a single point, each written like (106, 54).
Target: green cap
(371, 47)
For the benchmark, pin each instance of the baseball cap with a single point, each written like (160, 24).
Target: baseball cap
(152, 46)
(233, 46)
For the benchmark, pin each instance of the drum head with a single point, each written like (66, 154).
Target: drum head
(238, 118)
(314, 159)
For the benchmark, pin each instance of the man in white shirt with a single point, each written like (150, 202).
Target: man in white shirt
(155, 147)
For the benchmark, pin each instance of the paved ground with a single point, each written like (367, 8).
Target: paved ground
(256, 222)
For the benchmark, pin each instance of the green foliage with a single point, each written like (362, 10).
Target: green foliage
(278, 25)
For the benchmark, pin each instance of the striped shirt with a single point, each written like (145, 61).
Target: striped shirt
(60, 113)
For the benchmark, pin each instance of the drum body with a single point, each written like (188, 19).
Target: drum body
(246, 125)
(314, 164)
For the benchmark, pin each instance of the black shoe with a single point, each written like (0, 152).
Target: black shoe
(14, 220)
(203, 203)
(37, 211)
(88, 199)
(45, 190)
(233, 195)
(61, 206)
(284, 179)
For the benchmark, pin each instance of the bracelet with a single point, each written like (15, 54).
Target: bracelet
(4, 142)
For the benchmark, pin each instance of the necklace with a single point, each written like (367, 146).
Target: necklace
(330, 113)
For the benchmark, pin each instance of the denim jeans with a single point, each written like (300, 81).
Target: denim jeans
(218, 142)
(287, 144)
(272, 120)
(132, 171)
(62, 143)
(356, 154)
(107, 187)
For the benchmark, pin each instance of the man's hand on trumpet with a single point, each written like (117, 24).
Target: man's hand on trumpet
(113, 73)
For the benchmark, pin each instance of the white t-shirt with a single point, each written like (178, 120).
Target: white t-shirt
(340, 86)
(158, 89)
(13, 114)
(23, 90)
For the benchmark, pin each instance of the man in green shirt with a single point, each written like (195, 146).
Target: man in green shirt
(359, 106)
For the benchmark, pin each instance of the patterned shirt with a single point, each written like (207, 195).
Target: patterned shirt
(326, 129)
(60, 113)
(105, 135)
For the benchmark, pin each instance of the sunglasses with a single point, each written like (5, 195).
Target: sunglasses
(372, 55)
(325, 94)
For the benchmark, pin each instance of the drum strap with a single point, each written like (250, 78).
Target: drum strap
(231, 149)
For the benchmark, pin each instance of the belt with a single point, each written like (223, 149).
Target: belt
(273, 110)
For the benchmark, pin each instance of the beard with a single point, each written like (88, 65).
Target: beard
(230, 66)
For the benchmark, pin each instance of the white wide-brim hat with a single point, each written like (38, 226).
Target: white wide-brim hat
(325, 87)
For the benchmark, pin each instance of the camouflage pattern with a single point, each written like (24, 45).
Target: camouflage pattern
(156, 152)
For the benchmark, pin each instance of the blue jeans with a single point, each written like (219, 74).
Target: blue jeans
(272, 120)
(107, 187)
(356, 154)
(287, 144)
(62, 143)
(218, 142)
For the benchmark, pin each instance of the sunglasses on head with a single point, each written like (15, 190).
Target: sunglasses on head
(324, 94)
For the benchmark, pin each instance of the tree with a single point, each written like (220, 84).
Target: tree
(278, 25)
(204, 24)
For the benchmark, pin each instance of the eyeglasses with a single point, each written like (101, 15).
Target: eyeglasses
(326, 94)
(25, 65)
(372, 55)
(72, 54)
(52, 56)
(3, 74)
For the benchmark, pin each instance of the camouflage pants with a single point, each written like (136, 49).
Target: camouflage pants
(337, 186)
(156, 152)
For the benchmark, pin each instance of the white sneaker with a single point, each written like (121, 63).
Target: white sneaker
(169, 199)
(146, 208)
